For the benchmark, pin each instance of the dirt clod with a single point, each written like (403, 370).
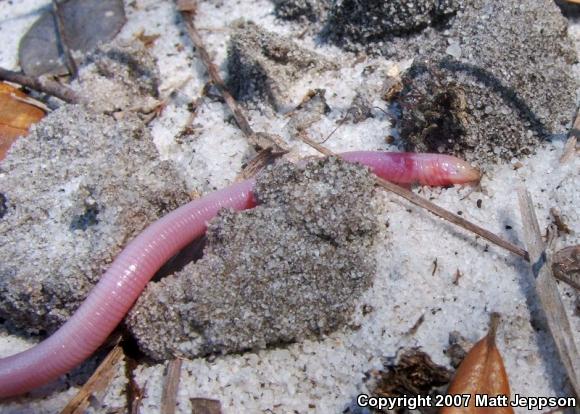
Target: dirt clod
(289, 269)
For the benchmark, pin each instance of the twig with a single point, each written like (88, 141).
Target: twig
(97, 384)
(570, 147)
(433, 208)
(31, 101)
(61, 32)
(187, 9)
(261, 160)
(46, 86)
(547, 292)
(188, 17)
(170, 387)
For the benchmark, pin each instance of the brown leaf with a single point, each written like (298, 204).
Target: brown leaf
(482, 372)
(87, 23)
(16, 116)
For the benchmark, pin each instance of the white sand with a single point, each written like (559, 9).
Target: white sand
(325, 376)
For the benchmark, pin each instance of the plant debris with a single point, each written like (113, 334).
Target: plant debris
(171, 387)
(411, 372)
(16, 116)
(566, 265)
(205, 406)
(482, 372)
(86, 23)
(548, 293)
(96, 387)
(458, 348)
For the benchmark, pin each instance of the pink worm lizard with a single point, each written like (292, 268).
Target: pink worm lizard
(121, 285)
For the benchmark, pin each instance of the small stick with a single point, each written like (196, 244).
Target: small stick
(31, 101)
(170, 387)
(46, 86)
(188, 15)
(187, 9)
(548, 293)
(97, 385)
(433, 208)
(570, 147)
(61, 32)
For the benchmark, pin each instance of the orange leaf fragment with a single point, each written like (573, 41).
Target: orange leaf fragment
(16, 116)
(482, 375)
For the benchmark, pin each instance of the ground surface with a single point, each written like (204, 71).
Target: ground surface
(325, 376)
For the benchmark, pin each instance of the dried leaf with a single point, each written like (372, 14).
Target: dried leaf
(87, 23)
(16, 116)
(482, 372)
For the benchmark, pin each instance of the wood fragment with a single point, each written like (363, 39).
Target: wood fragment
(31, 101)
(458, 274)
(62, 37)
(569, 150)
(433, 208)
(413, 329)
(97, 385)
(261, 160)
(133, 391)
(205, 406)
(570, 147)
(147, 40)
(559, 221)
(434, 267)
(547, 291)
(46, 86)
(170, 387)
(566, 265)
(391, 88)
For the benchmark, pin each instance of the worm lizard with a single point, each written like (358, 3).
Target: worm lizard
(121, 285)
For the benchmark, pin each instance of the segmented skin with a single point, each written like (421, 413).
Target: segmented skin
(121, 285)
(415, 168)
